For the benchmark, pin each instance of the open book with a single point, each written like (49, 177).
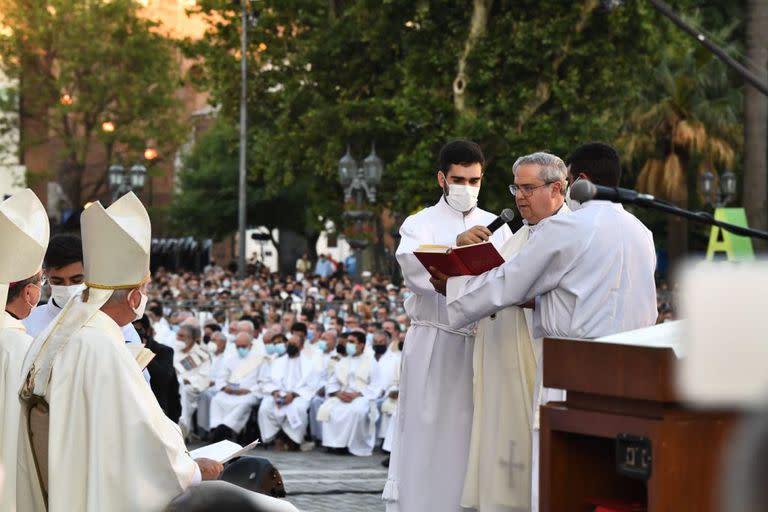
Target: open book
(142, 354)
(223, 451)
(467, 260)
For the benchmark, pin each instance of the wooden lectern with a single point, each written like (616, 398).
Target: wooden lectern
(622, 433)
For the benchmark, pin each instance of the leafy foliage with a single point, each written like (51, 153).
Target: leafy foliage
(82, 63)
(544, 75)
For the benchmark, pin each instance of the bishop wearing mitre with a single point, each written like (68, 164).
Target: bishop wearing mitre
(92, 436)
(24, 231)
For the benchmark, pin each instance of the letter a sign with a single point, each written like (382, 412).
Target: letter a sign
(736, 248)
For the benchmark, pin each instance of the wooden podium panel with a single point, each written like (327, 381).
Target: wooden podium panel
(620, 389)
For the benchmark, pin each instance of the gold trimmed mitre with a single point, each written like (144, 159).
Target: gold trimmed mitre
(116, 244)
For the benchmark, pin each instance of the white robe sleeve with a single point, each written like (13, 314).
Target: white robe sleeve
(374, 388)
(310, 384)
(535, 270)
(416, 277)
(333, 384)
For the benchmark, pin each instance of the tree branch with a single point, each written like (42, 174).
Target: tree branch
(543, 90)
(477, 28)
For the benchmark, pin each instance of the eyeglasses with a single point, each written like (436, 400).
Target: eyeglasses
(527, 189)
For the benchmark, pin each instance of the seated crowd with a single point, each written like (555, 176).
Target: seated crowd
(294, 363)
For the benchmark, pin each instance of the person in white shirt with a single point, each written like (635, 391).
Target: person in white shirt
(163, 332)
(232, 405)
(349, 413)
(294, 379)
(24, 224)
(431, 443)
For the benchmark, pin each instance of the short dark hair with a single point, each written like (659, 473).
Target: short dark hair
(144, 322)
(63, 249)
(214, 327)
(599, 161)
(359, 335)
(156, 310)
(460, 152)
(14, 289)
(279, 335)
(299, 326)
(339, 321)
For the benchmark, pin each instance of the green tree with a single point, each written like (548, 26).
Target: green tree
(516, 75)
(208, 205)
(687, 119)
(82, 63)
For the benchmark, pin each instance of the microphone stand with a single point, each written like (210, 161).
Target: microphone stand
(701, 217)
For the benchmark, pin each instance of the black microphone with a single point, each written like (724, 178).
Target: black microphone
(505, 216)
(584, 190)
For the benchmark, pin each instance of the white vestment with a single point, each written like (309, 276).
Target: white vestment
(352, 424)
(390, 371)
(42, 316)
(296, 375)
(110, 445)
(429, 452)
(591, 273)
(14, 343)
(506, 360)
(192, 382)
(233, 411)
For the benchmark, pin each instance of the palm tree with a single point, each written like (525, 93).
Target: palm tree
(686, 120)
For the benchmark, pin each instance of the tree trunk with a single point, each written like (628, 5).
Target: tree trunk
(677, 227)
(756, 121)
(477, 28)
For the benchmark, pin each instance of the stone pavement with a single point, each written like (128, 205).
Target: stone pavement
(316, 481)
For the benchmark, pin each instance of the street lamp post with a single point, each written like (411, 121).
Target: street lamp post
(359, 183)
(122, 181)
(720, 196)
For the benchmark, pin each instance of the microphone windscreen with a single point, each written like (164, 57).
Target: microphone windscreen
(507, 215)
(583, 191)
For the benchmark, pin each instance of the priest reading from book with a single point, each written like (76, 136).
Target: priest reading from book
(93, 436)
(431, 442)
(24, 230)
(590, 273)
(507, 362)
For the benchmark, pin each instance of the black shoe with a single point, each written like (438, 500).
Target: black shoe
(385, 462)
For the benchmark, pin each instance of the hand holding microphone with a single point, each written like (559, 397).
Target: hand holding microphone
(478, 234)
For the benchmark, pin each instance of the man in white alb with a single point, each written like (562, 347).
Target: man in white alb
(349, 412)
(24, 231)
(294, 379)
(507, 358)
(590, 273)
(431, 442)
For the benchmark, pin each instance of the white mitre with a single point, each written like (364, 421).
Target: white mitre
(116, 244)
(24, 231)
(116, 248)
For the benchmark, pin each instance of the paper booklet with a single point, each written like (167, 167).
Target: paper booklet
(142, 354)
(467, 260)
(223, 451)
(189, 362)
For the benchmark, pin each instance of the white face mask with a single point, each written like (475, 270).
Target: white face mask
(139, 311)
(572, 204)
(462, 197)
(61, 294)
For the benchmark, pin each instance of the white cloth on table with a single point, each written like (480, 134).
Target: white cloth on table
(431, 440)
